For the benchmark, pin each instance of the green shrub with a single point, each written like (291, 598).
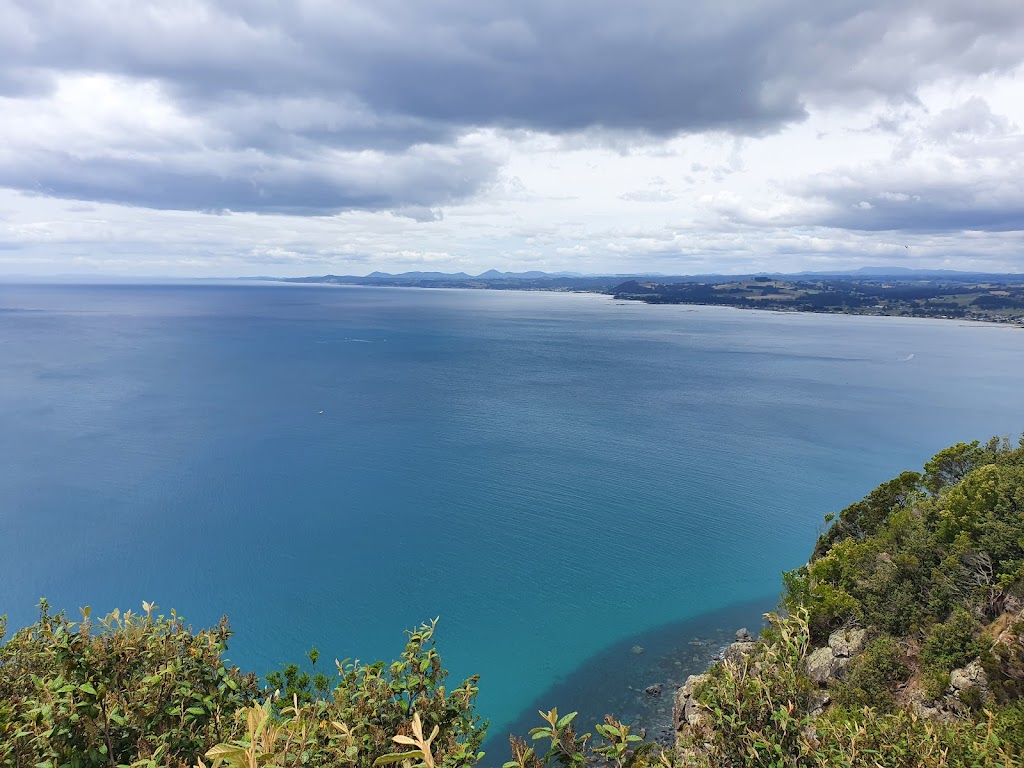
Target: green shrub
(760, 707)
(761, 719)
(901, 739)
(953, 643)
(132, 687)
(1009, 723)
(873, 675)
(369, 710)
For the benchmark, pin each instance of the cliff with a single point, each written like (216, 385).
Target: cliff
(901, 642)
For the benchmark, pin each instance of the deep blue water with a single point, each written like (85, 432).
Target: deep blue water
(553, 475)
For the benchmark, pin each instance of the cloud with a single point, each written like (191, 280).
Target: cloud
(132, 146)
(321, 107)
(582, 135)
(316, 184)
(959, 170)
(420, 213)
(934, 206)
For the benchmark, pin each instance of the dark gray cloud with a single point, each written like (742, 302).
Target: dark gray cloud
(297, 82)
(659, 66)
(925, 208)
(316, 185)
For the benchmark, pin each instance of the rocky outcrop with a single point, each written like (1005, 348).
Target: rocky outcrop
(847, 642)
(823, 665)
(968, 687)
(818, 702)
(830, 662)
(693, 724)
(970, 678)
(686, 711)
(737, 652)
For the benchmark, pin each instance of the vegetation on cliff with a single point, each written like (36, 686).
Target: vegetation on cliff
(144, 690)
(900, 643)
(902, 640)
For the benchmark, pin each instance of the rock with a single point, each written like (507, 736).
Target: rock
(847, 642)
(737, 653)
(818, 702)
(923, 706)
(744, 636)
(823, 665)
(693, 724)
(829, 662)
(686, 712)
(653, 690)
(968, 677)
(971, 676)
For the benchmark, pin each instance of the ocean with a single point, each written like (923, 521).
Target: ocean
(561, 478)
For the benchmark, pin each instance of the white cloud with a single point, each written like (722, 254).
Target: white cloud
(589, 136)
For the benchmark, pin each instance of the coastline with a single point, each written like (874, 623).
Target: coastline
(613, 681)
(1019, 324)
(622, 300)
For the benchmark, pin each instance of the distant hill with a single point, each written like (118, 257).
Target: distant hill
(866, 291)
(537, 280)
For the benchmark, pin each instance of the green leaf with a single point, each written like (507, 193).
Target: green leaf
(87, 688)
(397, 757)
(566, 719)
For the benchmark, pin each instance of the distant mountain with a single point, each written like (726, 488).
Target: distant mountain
(423, 275)
(574, 281)
(493, 274)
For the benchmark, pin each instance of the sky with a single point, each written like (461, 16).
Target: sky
(300, 137)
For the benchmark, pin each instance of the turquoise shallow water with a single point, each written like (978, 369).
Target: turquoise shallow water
(553, 475)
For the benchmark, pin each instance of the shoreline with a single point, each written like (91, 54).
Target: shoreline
(614, 680)
(788, 311)
(618, 299)
(627, 301)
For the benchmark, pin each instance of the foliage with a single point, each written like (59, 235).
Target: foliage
(617, 747)
(873, 676)
(928, 563)
(921, 546)
(144, 690)
(760, 707)
(131, 689)
(761, 718)
(902, 739)
(952, 643)
(370, 708)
